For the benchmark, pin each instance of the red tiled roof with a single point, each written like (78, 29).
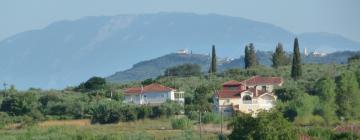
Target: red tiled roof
(232, 83)
(257, 80)
(133, 90)
(229, 93)
(148, 88)
(237, 93)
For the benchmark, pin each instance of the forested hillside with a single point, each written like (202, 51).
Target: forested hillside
(155, 67)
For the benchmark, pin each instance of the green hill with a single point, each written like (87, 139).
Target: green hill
(155, 67)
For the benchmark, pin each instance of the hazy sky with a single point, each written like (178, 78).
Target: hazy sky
(334, 16)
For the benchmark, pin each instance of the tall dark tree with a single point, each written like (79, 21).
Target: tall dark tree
(279, 58)
(246, 60)
(213, 68)
(296, 70)
(250, 56)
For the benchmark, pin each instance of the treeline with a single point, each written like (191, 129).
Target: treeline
(94, 99)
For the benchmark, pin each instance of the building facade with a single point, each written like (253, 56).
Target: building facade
(153, 94)
(248, 96)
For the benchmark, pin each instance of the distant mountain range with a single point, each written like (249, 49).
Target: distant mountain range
(68, 52)
(156, 67)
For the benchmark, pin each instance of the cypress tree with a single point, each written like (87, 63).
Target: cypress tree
(250, 56)
(296, 70)
(213, 68)
(246, 60)
(279, 57)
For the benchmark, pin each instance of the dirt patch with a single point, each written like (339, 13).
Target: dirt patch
(213, 128)
(83, 122)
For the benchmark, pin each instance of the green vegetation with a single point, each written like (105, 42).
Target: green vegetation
(94, 83)
(326, 96)
(183, 70)
(250, 56)
(213, 64)
(182, 123)
(266, 126)
(279, 57)
(296, 70)
(348, 97)
(135, 130)
(325, 90)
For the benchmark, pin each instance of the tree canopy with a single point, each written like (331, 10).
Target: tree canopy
(348, 96)
(266, 126)
(93, 84)
(279, 57)
(183, 70)
(250, 56)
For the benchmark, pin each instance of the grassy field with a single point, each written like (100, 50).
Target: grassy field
(159, 129)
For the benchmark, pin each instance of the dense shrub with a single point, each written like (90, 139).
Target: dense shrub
(105, 112)
(4, 119)
(184, 70)
(320, 133)
(182, 123)
(169, 108)
(211, 117)
(345, 136)
(129, 113)
(193, 115)
(19, 104)
(93, 84)
(267, 125)
(144, 112)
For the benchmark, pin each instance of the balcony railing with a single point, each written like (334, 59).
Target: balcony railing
(247, 102)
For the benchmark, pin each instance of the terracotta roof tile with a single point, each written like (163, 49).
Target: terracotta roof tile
(156, 88)
(147, 89)
(232, 83)
(229, 93)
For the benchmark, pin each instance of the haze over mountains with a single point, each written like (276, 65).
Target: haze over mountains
(68, 52)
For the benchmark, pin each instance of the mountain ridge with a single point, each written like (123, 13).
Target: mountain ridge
(68, 52)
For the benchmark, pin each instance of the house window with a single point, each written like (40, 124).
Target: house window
(179, 95)
(264, 88)
(247, 99)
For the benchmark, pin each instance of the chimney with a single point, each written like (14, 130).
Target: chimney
(256, 91)
(242, 87)
(142, 89)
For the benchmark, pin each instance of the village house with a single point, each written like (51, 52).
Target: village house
(153, 94)
(248, 96)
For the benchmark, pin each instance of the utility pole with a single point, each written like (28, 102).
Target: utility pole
(200, 126)
(4, 84)
(221, 123)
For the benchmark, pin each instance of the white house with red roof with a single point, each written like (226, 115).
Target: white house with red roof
(248, 96)
(153, 94)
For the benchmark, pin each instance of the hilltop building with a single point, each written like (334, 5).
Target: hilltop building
(306, 52)
(183, 52)
(318, 54)
(248, 96)
(153, 94)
